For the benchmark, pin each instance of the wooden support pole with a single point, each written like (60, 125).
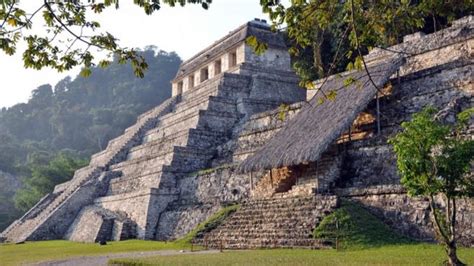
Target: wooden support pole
(378, 113)
(271, 178)
(350, 133)
(251, 180)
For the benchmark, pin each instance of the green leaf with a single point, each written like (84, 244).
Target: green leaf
(85, 72)
(320, 100)
(332, 95)
(349, 81)
(358, 63)
(104, 63)
(258, 47)
(309, 85)
(12, 22)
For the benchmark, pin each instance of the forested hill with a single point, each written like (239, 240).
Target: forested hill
(76, 118)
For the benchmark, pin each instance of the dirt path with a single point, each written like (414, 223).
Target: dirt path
(103, 259)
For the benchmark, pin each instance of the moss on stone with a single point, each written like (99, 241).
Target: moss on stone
(215, 220)
(355, 228)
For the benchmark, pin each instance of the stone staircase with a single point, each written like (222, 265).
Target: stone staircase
(183, 141)
(24, 228)
(21, 229)
(174, 139)
(272, 223)
(98, 224)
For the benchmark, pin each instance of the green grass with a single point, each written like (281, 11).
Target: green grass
(367, 241)
(411, 254)
(211, 170)
(11, 254)
(215, 220)
(356, 228)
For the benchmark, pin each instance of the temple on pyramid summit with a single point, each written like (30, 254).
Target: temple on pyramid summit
(239, 130)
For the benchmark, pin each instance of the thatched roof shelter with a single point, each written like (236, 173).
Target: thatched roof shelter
(305, 137)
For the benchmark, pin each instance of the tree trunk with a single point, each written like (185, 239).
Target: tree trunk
(451, 249)
(453, 259)
(448, 234)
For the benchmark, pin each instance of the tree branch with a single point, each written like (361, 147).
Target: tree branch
(48, 6)
(436, 218)
(453, 221)
(359, 50)
(333, 64)
(7, 14)
(28, 20)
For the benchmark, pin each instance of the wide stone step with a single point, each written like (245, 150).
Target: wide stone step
(263, 235)
(149, 162)
(272, 223)
(199, 102)
(244, 220)
(191, 108)
(249, 227)
(266, 210)
(201, 91)
(217, 120)
(205, 120)
(134, 182)
(176, 123)
(157, 146)
(183, 159)
(188, 137)
(217, 104)
(155, 135)
(265, 243)
(204, 102)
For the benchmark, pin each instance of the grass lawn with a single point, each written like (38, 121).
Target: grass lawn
(410, 254)
(11, 254)
(365, 241)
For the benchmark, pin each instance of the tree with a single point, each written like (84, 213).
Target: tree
(327, 36)
(79, 116)
(44, 176)
(434, 160)
(70, 33)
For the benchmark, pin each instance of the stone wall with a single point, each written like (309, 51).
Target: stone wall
(134, 204)
(440, 76)
(56, 223)
(201, 195)
(411, 216)
(439, 71)
(86, 226)
(272, 58)
(183, 219)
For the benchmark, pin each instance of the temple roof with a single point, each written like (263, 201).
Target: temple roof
(257, 28)
(306, 136)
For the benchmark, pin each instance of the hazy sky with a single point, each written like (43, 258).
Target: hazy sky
(183, 30)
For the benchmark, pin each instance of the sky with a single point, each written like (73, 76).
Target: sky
(185, 30)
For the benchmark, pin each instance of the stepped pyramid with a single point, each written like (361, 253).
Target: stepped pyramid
(299, 168)
(126, 187)
(239, 129)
